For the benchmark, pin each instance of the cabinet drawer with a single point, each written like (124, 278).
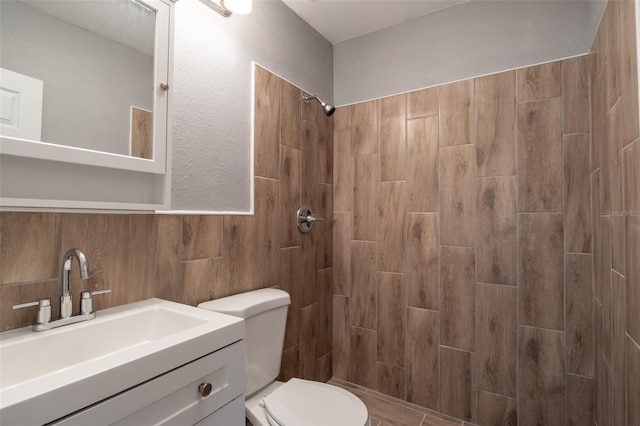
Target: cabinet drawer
(229, 415)
(174, 397)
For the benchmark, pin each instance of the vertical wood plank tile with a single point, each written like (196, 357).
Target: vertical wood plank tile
(598, 121)
(364, 197)
(307, 339)
(201, 237)
(309, 162)
(154, 261)
(422, 167)
(597, 238)
(580, 395)
(618, 323)
(575, 95)
(457, 195)
(341, 336)
(633, 385)
(289, 196)
(325, 150)
(342, 118)
(579, 314)
(577, 196)
(324, 313)
(290, 364)
(423, 258)
(308, 263)
(457, 297)
(31, 239)
(457, 113)
(496, 230)
(342, 171)
(539, 82)
(267, 123)
(362, 310)
(391, 318)
(391, 235)
(457, 383)
(421, 103)
(362, 358)
(541, 377)
(324, 369)
(496, 115)
(391, 380)
(632, 223)
(540, 157)
(497, 331)
(392, 138)
(364, 128)
(290, 279)
(540, 266)
(323, 239)
(604, 394)
(497, 410)
(611, 162)
(267, 219)
(605, 288)
(422, 357)
(341, 253)
(238, 254)
(290, 101)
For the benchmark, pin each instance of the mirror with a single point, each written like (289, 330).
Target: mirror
(79, 74)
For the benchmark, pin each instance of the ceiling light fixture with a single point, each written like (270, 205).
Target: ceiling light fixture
(227, 7)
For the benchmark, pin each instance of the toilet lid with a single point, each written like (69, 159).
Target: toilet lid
(302, 402)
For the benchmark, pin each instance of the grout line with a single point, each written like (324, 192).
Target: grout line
(579, 375)
(541, 328)
(496, 393)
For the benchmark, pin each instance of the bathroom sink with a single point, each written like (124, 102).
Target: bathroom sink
(59, 371)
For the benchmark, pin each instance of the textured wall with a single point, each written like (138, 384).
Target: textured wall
(460, 42)
(191, 259)
(615, 183)
(212, 150)
(462, 247)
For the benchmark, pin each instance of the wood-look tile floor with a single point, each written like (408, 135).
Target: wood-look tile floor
(388, 411)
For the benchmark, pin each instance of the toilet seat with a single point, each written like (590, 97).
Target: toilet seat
(303, 402)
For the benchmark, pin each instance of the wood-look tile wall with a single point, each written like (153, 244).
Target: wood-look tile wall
(615, 206)
(462, 246)
(191, 259)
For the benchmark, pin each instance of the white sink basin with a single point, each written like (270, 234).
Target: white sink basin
(46, 375)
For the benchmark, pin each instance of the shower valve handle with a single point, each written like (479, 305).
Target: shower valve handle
(305, 219)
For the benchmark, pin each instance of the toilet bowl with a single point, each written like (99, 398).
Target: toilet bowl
(269, 402)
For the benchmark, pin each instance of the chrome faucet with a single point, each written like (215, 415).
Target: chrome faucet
(86, 312)
(65, 298)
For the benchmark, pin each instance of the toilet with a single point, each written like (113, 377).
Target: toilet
(272, 403)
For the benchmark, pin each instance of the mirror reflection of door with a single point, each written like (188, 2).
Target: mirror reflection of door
(95, 62)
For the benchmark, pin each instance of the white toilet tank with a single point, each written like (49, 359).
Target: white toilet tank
(265, 315)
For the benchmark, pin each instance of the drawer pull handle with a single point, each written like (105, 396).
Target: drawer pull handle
(205, 389)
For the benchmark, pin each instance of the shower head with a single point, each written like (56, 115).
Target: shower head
(327, 108)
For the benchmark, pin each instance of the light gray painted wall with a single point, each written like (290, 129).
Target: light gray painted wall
(90, 82)
(460, 42)
(212, 120)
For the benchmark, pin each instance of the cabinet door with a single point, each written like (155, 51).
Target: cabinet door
(173, 398)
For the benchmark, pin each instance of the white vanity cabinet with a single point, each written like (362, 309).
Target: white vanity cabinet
(176, 398)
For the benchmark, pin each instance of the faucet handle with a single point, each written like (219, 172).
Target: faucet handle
(86, 300)
(44, 309)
